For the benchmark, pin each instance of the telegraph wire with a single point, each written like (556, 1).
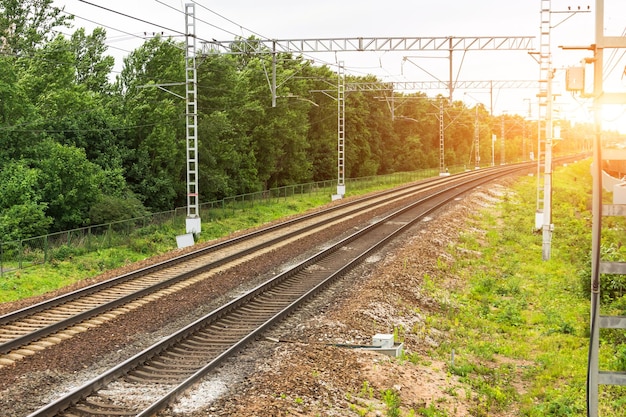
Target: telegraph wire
(104, 26)
(315, 59)
(132, 17)
(228, 20)
(198, 19)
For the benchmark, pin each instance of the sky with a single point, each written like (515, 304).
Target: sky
(322, 19)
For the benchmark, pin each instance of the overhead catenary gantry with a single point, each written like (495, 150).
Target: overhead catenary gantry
(439, 85)
(448, 44)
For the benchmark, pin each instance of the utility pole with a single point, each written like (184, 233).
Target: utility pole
(543, 214)
(341, 132)
(476, 140)
(442, 158)
(193, 223)
(502, 140)
(595, 377)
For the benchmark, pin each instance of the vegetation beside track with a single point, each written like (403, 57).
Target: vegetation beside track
(71, 264)
(518, 326)
(516, 315)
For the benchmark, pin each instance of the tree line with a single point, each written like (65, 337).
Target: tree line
(79, 146)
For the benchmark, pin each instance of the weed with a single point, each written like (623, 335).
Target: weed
(620, 358)
(392, 400)
(431, 411)
(366, 390)
(399, 333)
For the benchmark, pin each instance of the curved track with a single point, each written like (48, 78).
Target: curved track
(165, 370)
(32, 329)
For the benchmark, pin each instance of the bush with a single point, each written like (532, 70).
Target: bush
(23, 221)
(112, 208)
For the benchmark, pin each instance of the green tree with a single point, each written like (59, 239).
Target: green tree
(27, 24)
(92, 66)
(280, 141)
(68, 183)
(22, 212)
(153, 145)
(228, 114)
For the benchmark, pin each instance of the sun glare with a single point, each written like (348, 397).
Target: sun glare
(614, 118)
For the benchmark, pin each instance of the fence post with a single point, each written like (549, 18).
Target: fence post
(1, 258)
(45, 249)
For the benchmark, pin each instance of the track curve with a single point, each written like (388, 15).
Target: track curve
(176, 363)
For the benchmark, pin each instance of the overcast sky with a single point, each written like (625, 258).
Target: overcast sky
(289, 19)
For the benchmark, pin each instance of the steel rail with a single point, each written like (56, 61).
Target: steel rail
(436, 200)
(38, 334)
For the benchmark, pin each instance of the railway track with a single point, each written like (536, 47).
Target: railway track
(33, 329)
(168, 368)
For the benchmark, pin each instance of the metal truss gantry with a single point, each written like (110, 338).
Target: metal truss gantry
(448, 44)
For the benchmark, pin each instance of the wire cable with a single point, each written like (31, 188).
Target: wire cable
(132, 17)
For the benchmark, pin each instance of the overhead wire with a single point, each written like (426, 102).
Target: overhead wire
(612, 62)
(263, 37)
(106, 27)
(227, 19)
(132, 17)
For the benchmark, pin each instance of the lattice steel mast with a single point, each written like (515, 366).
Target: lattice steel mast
(193, 222)
(341, 132)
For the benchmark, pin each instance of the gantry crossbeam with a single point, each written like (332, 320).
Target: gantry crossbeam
(386, 44)
(440, 85)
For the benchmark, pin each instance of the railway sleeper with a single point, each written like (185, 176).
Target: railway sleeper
(7, 336)
(274, 302)
(178, 363)
(241, 321)
(185, 352)
(202, 344)
(141, 377)
(216, 329)
(196, 347)
(39, 320)
(169, 371)
(21, 327)
(88, 410)
(177, 357)
(260, 309)
(218, 339)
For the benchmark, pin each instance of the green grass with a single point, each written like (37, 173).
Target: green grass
(519, 318)
(69, 264)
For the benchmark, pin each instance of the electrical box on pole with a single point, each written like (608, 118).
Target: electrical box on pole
(575, 79)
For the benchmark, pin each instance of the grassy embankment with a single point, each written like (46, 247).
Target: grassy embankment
(70, 264)
(519, 325)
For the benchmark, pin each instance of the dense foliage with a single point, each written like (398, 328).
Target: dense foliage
(80, 147)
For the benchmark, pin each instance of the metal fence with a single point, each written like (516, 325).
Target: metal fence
(38, 250)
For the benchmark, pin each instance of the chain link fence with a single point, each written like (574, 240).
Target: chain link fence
(38, 250)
